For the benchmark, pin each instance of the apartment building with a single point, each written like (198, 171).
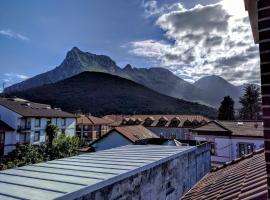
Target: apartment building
(28, 121)
(89, 127)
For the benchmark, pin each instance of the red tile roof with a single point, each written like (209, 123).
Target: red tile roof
(156, 120)
(243, 178)
(91, 120)
(133, 133)
(235, 128)
(30, 109)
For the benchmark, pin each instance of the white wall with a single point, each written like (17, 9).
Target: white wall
(13, 119)
(227, 148)
(114, 139)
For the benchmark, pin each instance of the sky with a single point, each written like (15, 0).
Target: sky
(192, 38)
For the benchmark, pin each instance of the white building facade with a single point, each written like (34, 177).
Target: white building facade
(230, 140)
(30, 120)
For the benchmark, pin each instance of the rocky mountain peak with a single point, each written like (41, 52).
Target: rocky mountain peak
(128, 67)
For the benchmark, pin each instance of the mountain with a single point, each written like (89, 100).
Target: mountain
(101, 94)
(158, 79)
(217, 88)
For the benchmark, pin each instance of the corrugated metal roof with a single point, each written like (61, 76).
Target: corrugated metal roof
(73, 177)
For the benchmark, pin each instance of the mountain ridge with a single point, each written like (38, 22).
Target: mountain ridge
(159, 79)
(102, 93)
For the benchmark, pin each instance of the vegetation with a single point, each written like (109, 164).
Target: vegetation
(51, 131)
(226, 109)
(251, 103)
(102, 94)
(62, 146)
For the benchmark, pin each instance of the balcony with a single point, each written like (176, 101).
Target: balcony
(23, 128)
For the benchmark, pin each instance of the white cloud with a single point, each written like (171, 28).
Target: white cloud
(212, 39)
(152, 8)
(11, 34)
(19, 76)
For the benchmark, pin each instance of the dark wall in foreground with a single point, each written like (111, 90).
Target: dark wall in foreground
(169, 180)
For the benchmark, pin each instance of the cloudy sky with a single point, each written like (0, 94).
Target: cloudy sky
(192, 38)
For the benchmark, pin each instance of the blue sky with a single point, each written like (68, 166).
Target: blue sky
(35, 35)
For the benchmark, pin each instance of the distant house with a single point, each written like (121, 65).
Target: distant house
(90, 128)
(230, 139)
(28, 121)
(167, 126)
(121, 136)
(244, 178)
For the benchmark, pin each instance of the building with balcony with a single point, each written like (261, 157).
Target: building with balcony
(90, 128)
(29, 121)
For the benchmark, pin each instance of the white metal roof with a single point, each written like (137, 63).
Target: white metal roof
(76, 176)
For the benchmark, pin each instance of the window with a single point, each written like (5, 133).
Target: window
(245, 148)
(213, 149)
(37, 136)
(63, 121)
(37, 122)
(63, 131)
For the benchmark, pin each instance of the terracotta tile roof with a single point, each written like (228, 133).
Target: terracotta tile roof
(91, 120)
(30, 109)
(235, 128)
(133, 133)
(157, 120)
(5, 127)
(244, 178)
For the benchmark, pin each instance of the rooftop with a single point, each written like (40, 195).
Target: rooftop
(91, 120)
(235, 128)
(176, 121)
(244, 178)
(73, 177)
(30, 109)
(132, 133)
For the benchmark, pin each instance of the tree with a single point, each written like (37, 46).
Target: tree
(251, 103)
(226, 109)
(51, 131)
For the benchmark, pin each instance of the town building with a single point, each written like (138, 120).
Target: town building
(243, 178)
(128, 172)
(91, 128)
(230, 139)
(121, 136)
(28, 121)
(167, 126)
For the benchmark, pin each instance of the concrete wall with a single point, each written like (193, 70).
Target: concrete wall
(167, 181)
(169, 132)
(114, 139)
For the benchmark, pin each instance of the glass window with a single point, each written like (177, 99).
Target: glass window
(213, 149)
(37, 136)
(245, 148)
(63, 121)
(63, 131)
(37, 122)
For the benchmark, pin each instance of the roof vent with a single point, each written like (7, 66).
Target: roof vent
(240, 123)
(27, 104)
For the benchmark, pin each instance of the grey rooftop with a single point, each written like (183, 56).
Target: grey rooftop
(76, 176)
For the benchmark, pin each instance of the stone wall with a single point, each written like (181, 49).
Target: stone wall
(167, 181)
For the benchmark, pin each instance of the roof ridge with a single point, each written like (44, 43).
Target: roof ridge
(237, 160)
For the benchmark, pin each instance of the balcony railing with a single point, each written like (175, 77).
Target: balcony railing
(23, 128)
